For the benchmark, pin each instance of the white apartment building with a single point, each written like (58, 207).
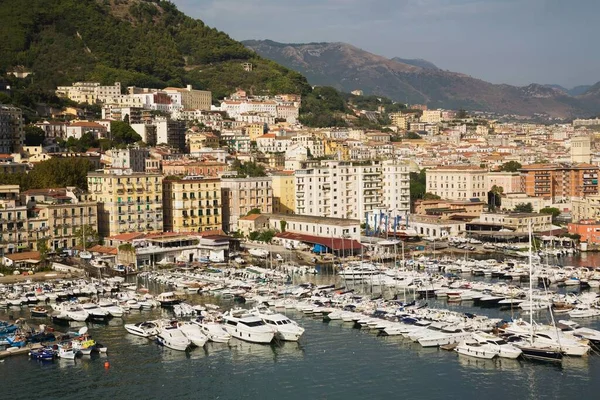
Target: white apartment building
(457, 182)
(314, 144)
(339, 189)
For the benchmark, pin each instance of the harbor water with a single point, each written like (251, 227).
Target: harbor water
(332, 361)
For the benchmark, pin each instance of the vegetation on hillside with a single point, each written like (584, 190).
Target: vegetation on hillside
(56, 172)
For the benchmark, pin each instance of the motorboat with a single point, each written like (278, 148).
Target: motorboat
(287, 329)
(114, 310)
(95, 313)
(245, 326)
(193, 332)
(168, 299)
(173, 338)
(43, 354)
(147, 329)
(214, 331)
(505, 349)
(65, 350)
(475, 349)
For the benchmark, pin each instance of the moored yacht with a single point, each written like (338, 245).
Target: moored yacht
(242, 325)
(287, 329)
(214, 331)
(147, 329)
(173, 338)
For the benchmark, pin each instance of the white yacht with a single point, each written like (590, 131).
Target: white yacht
(475, 349)
(214, 331)
(95, 312)
(114, 310)
(193, 332)
(505, 349)
(447, 335)
(74, 312)
(145, 329)
(242, 325)
(173, 338)
(287, 329)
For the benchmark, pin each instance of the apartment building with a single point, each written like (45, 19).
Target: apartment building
(340, 189)
(587, 208)
(12, 135)
(192, 204)
(127, 201)
(396, 186)
(560, 181)
(457, 182)
(431, 116)
(192, 99)
(52, 215)
(240, 195)
(59, 216)
(88, 92)
(133, 158)
(510, 182)
(284, 192)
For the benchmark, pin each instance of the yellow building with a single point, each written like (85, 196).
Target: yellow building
(192, 204)
(193, 99)
(51, 215)
(254, 131)
(284, 192)
(128, 202)
(338, 148)
(400, 120)
(200, 140)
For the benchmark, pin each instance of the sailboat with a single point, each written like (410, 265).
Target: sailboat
(531, 348)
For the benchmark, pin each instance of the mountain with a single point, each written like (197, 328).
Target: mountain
(145, 43)
(347, 68)
(576, 91)
(417, 62)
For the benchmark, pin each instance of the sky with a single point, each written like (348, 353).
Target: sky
(517, 42)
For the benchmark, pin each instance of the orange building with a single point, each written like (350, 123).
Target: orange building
(588, 229)
(559, 181)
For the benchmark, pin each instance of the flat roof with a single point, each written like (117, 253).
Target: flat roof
(314, 219)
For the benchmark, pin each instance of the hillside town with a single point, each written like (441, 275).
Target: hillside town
(200, 174)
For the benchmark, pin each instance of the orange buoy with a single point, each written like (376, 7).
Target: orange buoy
(106, 365)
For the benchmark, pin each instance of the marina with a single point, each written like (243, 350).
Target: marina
(355, 322)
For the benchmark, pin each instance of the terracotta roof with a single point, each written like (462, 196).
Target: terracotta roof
(251, 217)
(28, 255)
(103, 249)
(127, 236)
(87, 124)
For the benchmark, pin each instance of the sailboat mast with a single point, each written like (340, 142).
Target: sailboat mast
(530, 283)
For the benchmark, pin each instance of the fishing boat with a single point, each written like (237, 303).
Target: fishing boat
(39, 312)
(43, 354)
(168, 299)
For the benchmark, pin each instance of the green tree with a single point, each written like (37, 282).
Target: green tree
(555, 212)
(42, 247)
(412, 135)
(524, 208)
(88, 233)
(266, 236)
(431, 196)
(511, 166)
(254, 211)
(417, 185)
(34, 136)
(248, 169)
(282, 225)
(123, 134)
